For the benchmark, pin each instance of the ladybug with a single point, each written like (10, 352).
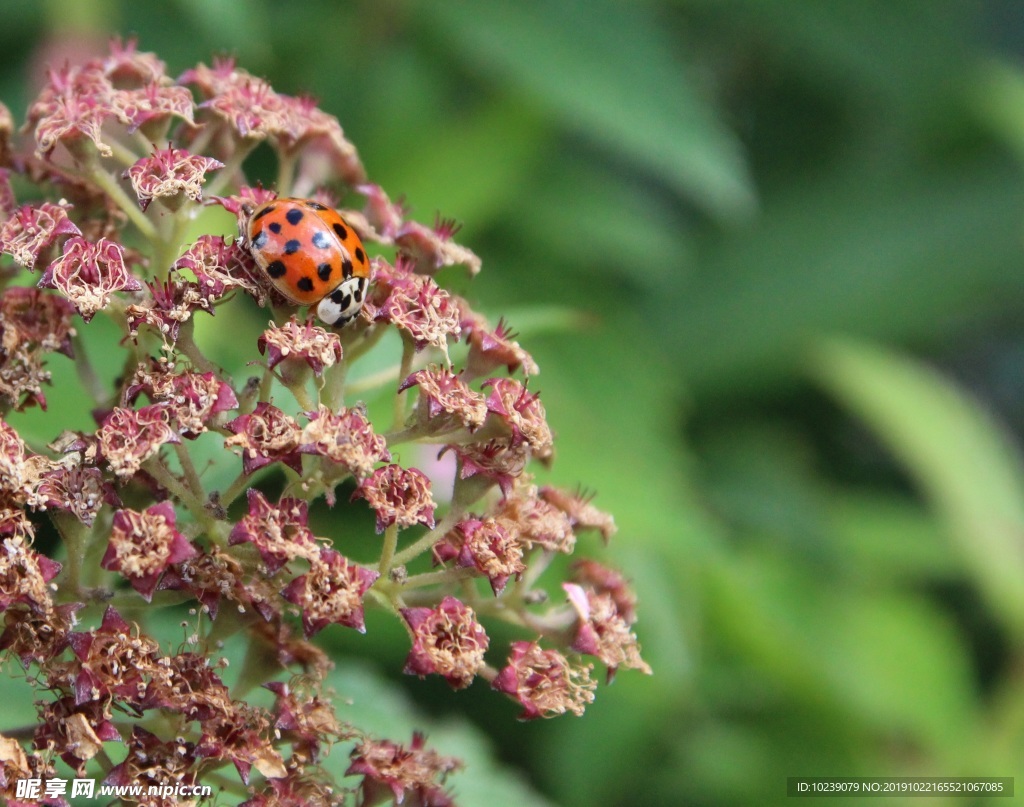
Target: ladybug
(311, 255)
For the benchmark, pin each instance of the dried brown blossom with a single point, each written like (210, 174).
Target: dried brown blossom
(432, 247)
(414, 304)
(87, 273)
(604, 580)
(218, 268)
(346, 438)
(114, 660)
(25, 575)
(241, 736)
(581, 512)
(267, 435)
(305, 717)
(279, 532)
(194, 399)
(36, 321)
(522, 412)
(143, 545)
(498, 461)
(392, 770)
(539, 523)
(545, 682)
(37, 636)
(603, 632)
(490, 545)
(152, 761)
(128, 437)
(305, 342)
(71, 108)
(75, 730)
(32, 229)
(447, 641)
(78, 490)
(331, 592)
(491, 349)
(399, 496)
(170, 173)
(446, 401)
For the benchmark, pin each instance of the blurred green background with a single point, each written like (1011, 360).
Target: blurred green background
(769, 258)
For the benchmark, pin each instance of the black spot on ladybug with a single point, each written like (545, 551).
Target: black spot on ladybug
(324, 271)
(340, 230)
(337, 296)
(292, 246)
(346, 268)
(276, 269)
(315, 206)
(360, 255)
(274, 226)
(259, 240)
(305, 284)
(321, 240)
(294, 216)
(263, 212)
(357, 295)
(346, 301)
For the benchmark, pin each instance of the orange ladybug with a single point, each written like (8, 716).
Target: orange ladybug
(311, 255)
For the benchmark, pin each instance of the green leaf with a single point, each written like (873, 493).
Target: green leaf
(610, 73)
(964, 462)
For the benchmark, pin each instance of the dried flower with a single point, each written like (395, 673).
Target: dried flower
(544, 682)
(307, 342)
(267, 435)
(447, 641)
(490, 545)
(279, 532)
(603, 632)
(87, 273)
(388, 768)
(445, 399)
(143, 545)
(33, 228)
(399, 496)
(168, 173)
(128, 437)
(346, 438)
(331, 592)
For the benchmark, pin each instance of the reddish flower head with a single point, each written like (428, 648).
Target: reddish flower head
(445, 400)
(303, 342)
(545, 682)
(87, 273)
(399, 495)
(31, 229)
(603, 632)
(390, 769)
(169, 174)
(279, 532)
(489, 545)
(447, 641)
(331, 592)
(143, 545)
(129, 437)
(346, 438)
(267, 435)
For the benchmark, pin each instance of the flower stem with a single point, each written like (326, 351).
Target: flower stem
(131, 209)
(388, 552)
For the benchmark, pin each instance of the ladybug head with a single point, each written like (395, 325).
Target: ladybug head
(343, 304)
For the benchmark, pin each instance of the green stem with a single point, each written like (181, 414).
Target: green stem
(438, 577)
(451, 518)
(72, 533)
(408, 353)
(122, 153)
(388, 552)
(286, 171)
(87, 373)
(187, 345)
(234, 163)
(113, 189)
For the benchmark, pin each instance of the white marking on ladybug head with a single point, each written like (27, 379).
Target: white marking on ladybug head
(343, 304)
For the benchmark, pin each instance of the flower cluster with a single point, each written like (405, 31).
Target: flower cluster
(127, 158)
